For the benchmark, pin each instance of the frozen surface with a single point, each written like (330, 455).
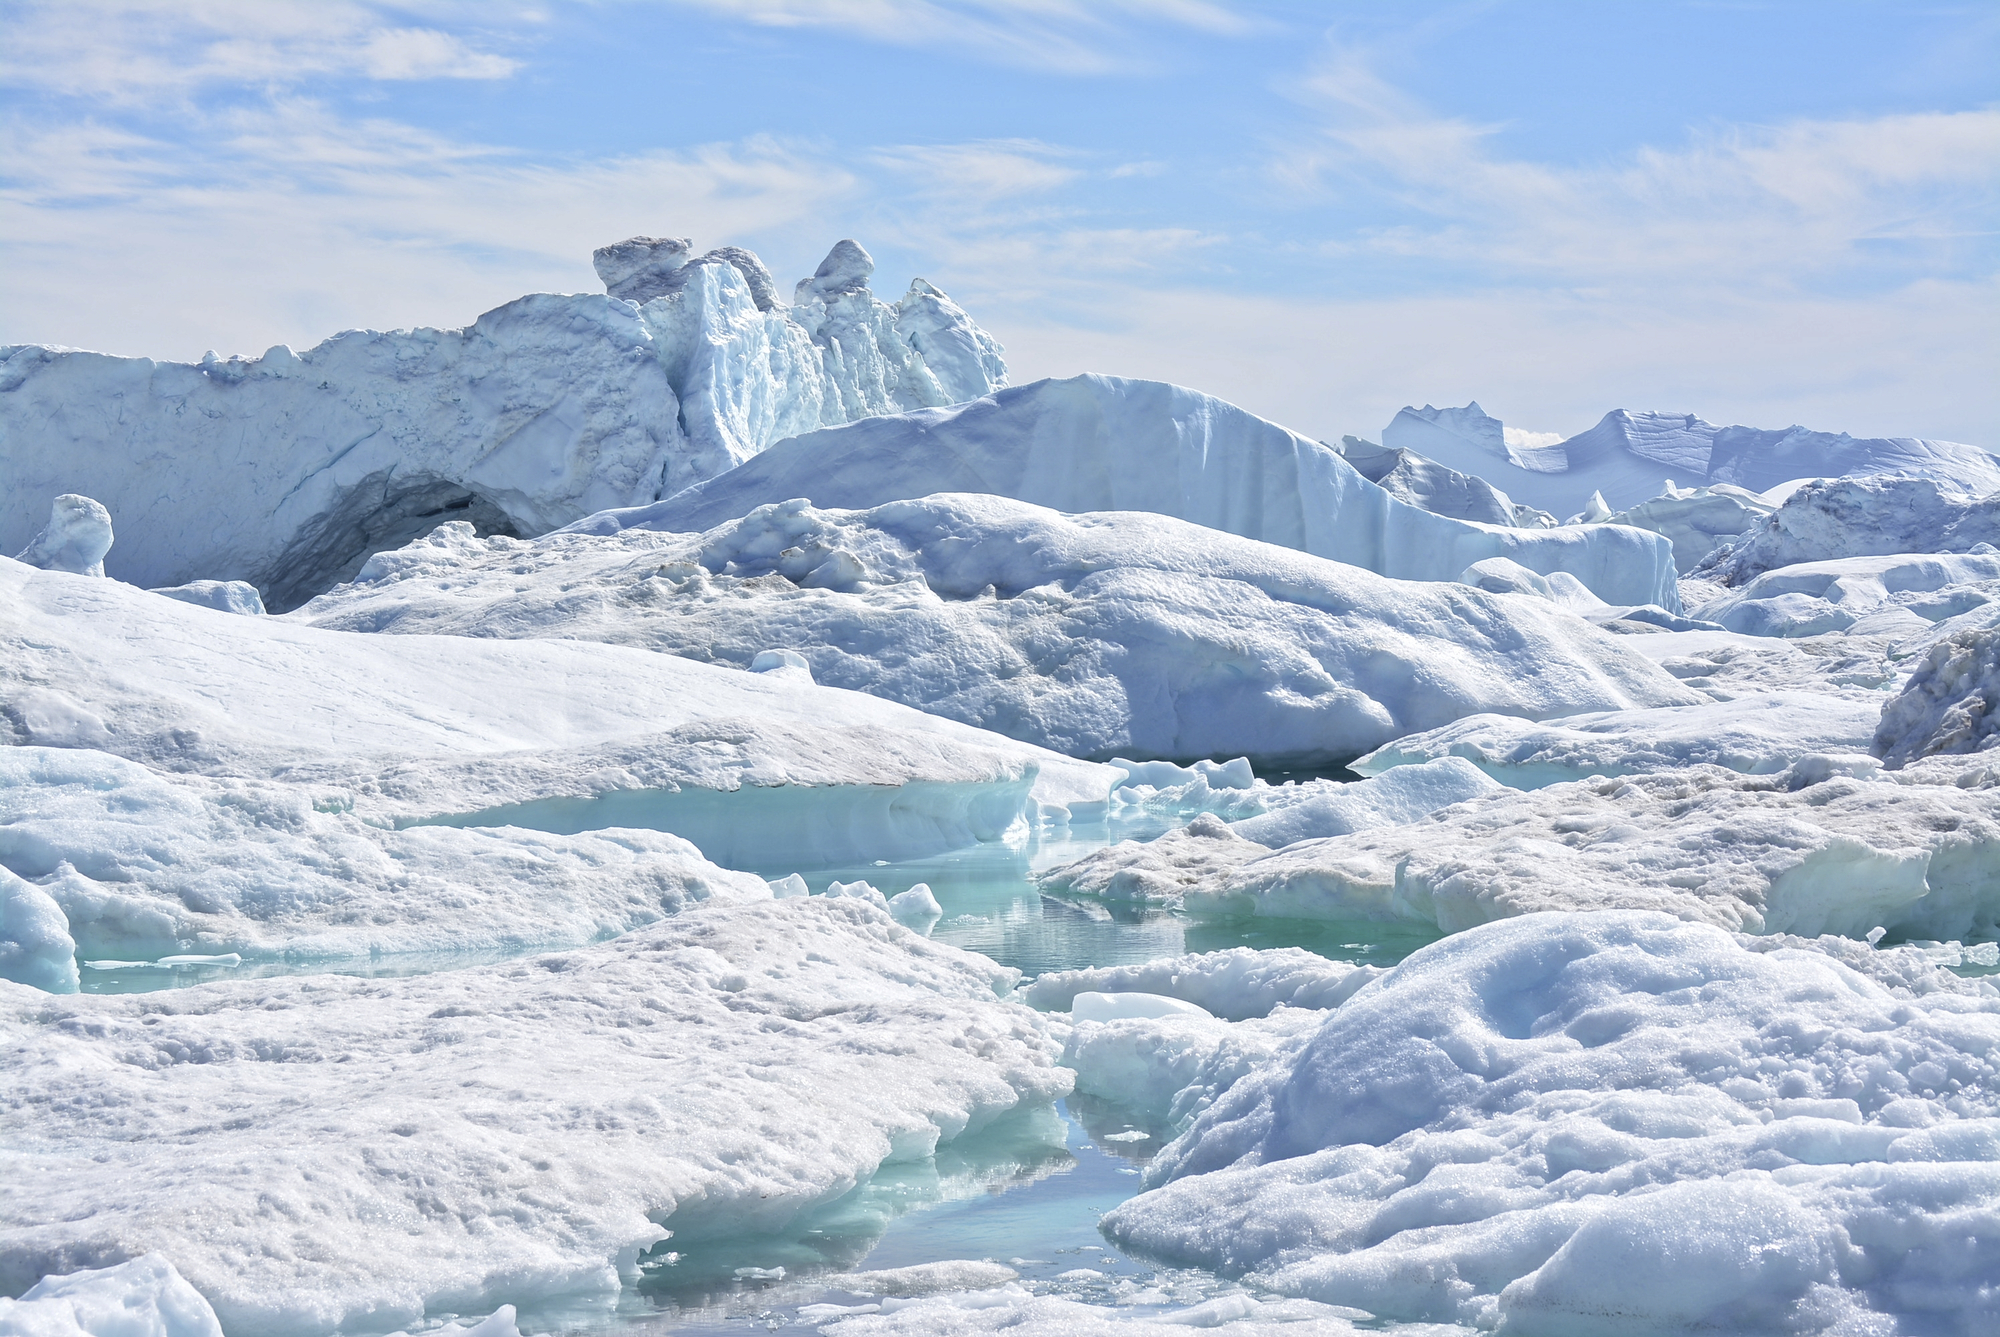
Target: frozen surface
(141, 865)
(1892, 595)
(1830, 846)
(1118, 633)
(1097, 443)
(1018, 1312)
(35, 943)
(559, 736)
(1757, 735)
(1951, 703)
(145, 1297)
(287, 470)
(326, 1151)
(1567, 1119)
(1628, 457)
(1864, 517)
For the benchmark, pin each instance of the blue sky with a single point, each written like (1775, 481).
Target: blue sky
(1760, 212)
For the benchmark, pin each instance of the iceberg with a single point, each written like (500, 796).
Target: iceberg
(1838, 518)
(1100, 443)
(326, 1153)
(1099, 635)
(1567, 1121)
(1628, 457)
(1416, 481)
(754, 768)
(288, 470)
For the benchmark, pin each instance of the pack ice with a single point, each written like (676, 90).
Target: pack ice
(1628, 457)
(325, 1153)
(1100, 443)
(540, 412)
(1104, 634)
(1580, 1123)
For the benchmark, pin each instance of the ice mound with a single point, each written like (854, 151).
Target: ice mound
(35, 943)
(1392, 798)
(1568, 1121)
(349, 1153)
(1897, 595)
(225, 596)
(1837, 518)
(1950, 705)
(1234, 985)
(145, 1297)
(1627, 457)
(136, 864)
(1757, 735)
(756, 769)
(1119, 634)
(75, 539)
(1820, 848)
(288, 470)
(1098, 443)
(1161, 871)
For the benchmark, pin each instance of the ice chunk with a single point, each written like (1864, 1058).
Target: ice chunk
(471, 1138)
(916, 907)
(75, 539)
(145, 1297)
(1173, 640)
(1099, 443)
(846, 269)
(637, 269)
(1863, 517)
(959, 1274)
(1234, 984)
(1951, 703)
(35, 943)
(1757, 735)
(1398, 795)
(1092, 1006)
(226, 596)
(1520, 1106)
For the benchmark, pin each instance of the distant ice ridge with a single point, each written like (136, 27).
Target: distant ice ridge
(755, 768)
(1580, 1123)
(354, 1154)
(287, 470)
(1100, 443)
(1836, 518)
(1627, 456)
(1112, 634)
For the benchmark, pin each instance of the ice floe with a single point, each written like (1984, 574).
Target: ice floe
(325, 1152)
(1568, 1119)
(1111, 634)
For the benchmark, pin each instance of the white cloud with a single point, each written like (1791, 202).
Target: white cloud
(986, 171)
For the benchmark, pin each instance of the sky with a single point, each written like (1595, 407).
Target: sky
(1766, 213)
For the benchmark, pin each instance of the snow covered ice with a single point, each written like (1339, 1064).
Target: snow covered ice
(1108, 634)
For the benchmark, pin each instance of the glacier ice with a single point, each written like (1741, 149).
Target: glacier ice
(1097, 443)
(559, 736)
(1756, 735)
(1111, 634)
(1836, 518)
(1697, 520)
(1391, 798)
(1410, 478)
(1951, 703)
(144, 1297)
(287, 470)
(349, 1152)
(1831, 845)
(75, 539)
(1545, 1123)
(1627, 457)
(1234, 985)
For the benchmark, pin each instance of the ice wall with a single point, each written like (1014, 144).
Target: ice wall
(1628, 457)
(1100, 443)
(289, 469)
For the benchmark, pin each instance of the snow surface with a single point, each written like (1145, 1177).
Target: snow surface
(1628, 457)
(1757, 735)
(289, 469)
(1096, 443)
(1830, 846)
(1117, 633)
(1568, 1120)
(1402, 794)
(1893, 595)
(1862, 517)
(559, 736)
(321, 1151)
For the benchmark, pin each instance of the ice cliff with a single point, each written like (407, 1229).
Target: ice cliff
(287, 470)
(1628, 457)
